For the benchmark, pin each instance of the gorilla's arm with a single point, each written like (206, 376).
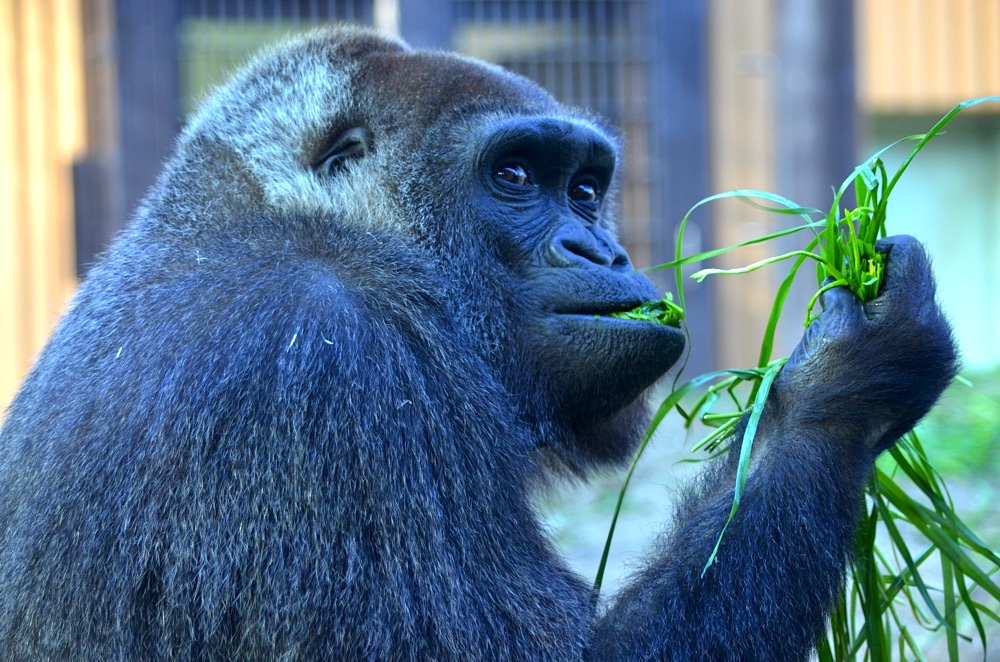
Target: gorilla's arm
(862, 377)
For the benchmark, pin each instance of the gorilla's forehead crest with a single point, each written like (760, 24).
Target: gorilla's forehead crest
(269, 123)
(426, 84)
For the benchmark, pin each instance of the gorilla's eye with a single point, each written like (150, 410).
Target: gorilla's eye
(352, 144)
(584, 192)
(514, 173)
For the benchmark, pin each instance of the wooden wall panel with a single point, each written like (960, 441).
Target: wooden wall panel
(41, 132)
(742, 42)
(924, 56)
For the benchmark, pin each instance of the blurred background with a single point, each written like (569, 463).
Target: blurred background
(781, 95)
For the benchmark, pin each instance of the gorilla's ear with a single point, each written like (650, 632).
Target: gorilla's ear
(351, 144)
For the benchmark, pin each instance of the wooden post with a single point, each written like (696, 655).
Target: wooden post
(679, 154)
(816, 118)
(134, 103)
(742, 107)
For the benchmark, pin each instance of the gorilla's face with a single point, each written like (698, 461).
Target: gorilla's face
(509, 194)
(543, 186)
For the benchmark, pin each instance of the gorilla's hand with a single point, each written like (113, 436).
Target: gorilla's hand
(876, 368)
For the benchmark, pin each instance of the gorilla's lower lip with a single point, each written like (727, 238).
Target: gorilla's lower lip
(638, 334)
(603, 363)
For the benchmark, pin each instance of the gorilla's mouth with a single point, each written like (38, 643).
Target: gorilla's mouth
(594, 293)
(595, 322)
(597, 310)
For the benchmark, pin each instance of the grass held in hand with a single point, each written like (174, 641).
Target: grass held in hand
(660, 311)
(902, 534)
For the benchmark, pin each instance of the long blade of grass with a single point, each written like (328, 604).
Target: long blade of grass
(784, 205)
(767, 343)
(716, 252)
(914, 648)
(669, 403)
(868, 584)
(824, 652)
(888, 520)
(974, 609)
(962, 531)
(927, 137)
(704, 273)
(743, 465)
(936, 535)
(950, 608)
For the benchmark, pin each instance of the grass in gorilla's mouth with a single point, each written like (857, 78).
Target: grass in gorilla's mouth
(885, 575)
(661, 311)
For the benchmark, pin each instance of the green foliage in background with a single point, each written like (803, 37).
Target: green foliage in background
(962, 434)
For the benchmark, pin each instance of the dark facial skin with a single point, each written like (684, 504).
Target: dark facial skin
(544, 184)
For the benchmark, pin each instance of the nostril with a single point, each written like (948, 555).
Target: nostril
(621, 261)
(568, 251)
(574, 245)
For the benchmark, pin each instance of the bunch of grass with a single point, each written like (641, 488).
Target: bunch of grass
(660, 311)
(887, 594)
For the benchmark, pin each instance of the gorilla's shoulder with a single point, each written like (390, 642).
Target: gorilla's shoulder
(332, 274)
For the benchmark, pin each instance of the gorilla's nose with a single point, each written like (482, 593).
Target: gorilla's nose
(576, 245)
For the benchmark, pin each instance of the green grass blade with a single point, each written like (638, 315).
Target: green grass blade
(974, 608)
(888, 519)
(922, 521)
(944, 514)
(868, 584)
(927, 137)
(716, 252)
(767, 342)
(743, 466)
(784, 205)
(669, 403)
(704, 273)
(950, 608)
(908, 638)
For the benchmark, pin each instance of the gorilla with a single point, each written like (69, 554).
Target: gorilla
(300, 408)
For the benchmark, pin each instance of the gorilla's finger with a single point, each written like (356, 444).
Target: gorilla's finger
(906, 261)
(842, 312)
(842, 315)
(907, 282)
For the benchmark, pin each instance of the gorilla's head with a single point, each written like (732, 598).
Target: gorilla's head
(506, 195)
